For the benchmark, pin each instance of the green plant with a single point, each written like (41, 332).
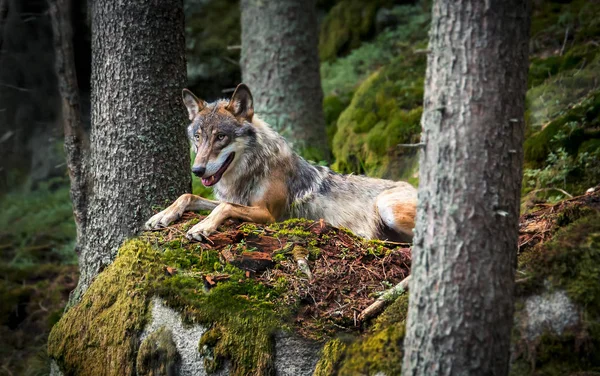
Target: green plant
(37, 226)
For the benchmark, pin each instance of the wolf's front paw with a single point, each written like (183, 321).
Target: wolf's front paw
(201, 231)
(162, 219)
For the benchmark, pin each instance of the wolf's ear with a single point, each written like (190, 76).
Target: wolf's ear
(193, 104)
(241, 104)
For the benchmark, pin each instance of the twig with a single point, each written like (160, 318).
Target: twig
(562, 49)
(234, 47)
(384, 299)
(419, 145)
(230, 60)
(15, 87)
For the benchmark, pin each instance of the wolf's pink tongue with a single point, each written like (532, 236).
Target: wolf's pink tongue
(208, 181)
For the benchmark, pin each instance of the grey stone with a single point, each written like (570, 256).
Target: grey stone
(186, 337)
(295, 356)
(54, 369)
(553, 311)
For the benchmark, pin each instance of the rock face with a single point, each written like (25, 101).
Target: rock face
(293, 354)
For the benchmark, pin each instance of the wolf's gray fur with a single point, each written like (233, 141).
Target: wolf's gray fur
(367, 206)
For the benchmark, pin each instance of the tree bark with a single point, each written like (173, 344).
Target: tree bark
(280, 64)
(139, 150)
(461, 304)
(76, 143)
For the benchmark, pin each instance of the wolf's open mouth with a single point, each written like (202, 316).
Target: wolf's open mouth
(214, 179)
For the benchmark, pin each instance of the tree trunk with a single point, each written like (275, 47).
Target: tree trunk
(280, 64)
(139, 151)
(76, 144)
(461, 304)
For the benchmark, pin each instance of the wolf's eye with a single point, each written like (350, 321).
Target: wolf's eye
(197, 137)
(220, 137)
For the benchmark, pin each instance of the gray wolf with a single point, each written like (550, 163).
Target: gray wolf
(257, 177)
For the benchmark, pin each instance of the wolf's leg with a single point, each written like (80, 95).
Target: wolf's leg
(185, 202)
(397, 208)
(225, 211)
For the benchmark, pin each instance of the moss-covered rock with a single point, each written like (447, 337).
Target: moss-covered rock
(100, 335)
(238, 318)
(346, 25)
(385, 111)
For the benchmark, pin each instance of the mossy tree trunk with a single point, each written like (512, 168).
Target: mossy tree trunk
(464, 255)
(280, 64)
(139, 154)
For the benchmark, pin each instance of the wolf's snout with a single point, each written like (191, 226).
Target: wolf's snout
(198, 171)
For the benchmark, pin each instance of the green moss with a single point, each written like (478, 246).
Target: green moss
(241, 312)
(385, 111)
(379, 352)
(346, 25)
(293, 228)
(333, 105)
(158, 354)
(98, 335)
(331, 355)
(396, 313)
(248, 228)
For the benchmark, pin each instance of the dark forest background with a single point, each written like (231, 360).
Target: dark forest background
(372, 65)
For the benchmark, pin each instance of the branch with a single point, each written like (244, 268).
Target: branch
(552, 189)
(76, 143)
(387, 297)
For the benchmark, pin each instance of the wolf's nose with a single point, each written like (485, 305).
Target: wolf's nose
(198, 171)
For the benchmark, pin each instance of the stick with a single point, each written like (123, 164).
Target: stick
(552, 189)
(76, 144)
(419, 145)
(384, 299)
(562, 49)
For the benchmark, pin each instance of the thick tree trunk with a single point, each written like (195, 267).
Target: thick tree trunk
(464, 255)
(139, 152)
(280, 64)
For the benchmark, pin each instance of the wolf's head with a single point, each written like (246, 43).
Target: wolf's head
(218, 132)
